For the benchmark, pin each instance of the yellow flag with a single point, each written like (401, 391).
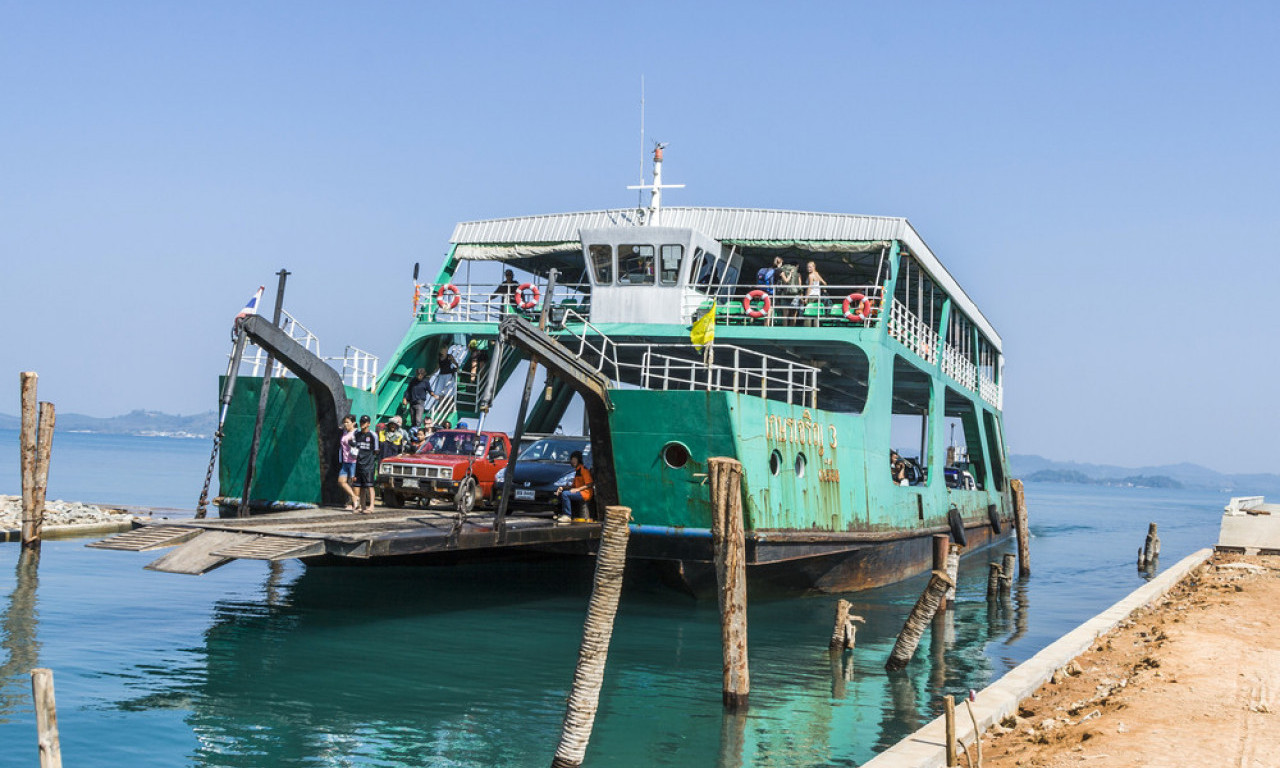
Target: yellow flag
(704, 331)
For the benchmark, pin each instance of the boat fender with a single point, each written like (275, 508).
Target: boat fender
(957, 527)
(994, 514)
(748, 301)
(527, 289)
(448, 297)
(861, 302)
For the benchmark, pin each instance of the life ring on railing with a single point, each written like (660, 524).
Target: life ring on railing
(750, 311)
(446, 303)
(520, 293)
(864, 307)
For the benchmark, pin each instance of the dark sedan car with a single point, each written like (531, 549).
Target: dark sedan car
(541, 468)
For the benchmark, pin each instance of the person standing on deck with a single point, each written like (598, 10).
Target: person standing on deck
(416, 397)
(507, 289)
(787, 279)
(580, 491)
(813, 293)
(394, 439)
(446, 369)
(368, 455)
(347, 460)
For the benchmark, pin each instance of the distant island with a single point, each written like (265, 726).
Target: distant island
(1133, 481)
(140, 423)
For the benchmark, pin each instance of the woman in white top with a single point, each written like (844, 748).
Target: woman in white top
(813, 293)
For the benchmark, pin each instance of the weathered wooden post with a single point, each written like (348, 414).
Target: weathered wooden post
(1006, 572)
(953, 572)
(837, 632)
(941, 545)
(46, 718)
(44, 449)
(728, 541)
(27, 456)
(1020, 526)
(1150, 548)
(993, 580)
(584, 697)
(917, 620)
(949, 706)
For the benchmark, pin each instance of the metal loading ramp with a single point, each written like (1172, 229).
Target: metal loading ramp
(333, 535)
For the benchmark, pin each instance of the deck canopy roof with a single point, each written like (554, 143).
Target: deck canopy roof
(554, 237)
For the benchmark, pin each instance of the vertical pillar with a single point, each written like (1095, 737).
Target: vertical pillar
(27, 439)
(1020, 523)
(728, 540)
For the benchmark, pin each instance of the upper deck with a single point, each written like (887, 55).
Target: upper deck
(660, 269)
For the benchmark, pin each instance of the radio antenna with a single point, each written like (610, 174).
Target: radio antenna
(640, 193)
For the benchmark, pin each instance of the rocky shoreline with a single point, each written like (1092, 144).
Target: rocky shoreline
(58, 512)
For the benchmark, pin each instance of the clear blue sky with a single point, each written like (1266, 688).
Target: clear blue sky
(1103, 178)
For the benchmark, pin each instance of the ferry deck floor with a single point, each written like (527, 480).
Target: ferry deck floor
(330, 534)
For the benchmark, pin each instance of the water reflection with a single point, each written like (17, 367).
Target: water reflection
(21, 638)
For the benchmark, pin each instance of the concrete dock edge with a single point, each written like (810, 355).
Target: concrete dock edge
(924, 748)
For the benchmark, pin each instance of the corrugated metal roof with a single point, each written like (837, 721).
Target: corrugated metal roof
(731, 224)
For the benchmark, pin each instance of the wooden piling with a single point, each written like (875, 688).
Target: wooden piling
(993, 580)
(838, 631)
(917, 620)
(584, 697)
(46, 718)
(44, 449)
(1006, 570)
(953, 573)
(1150, 548)
(1020, 526)
(949, 707)
(941, 545)
(728, 541)
(27, 440)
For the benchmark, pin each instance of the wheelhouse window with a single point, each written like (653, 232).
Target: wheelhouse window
(669, 270)
(601, 263)
(635, 264)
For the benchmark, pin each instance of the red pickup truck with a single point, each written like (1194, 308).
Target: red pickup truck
(453, 464)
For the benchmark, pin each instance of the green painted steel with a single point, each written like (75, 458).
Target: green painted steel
(289, 455)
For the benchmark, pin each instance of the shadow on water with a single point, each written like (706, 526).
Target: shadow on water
(21, 641)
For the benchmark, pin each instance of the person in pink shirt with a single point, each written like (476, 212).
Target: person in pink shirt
(347, 460)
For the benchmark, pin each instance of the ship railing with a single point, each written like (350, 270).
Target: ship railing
(721, 367)
(959, 367)
(914, 333)
(254, 360)
(359, 368)
(992, 392)
(467, 303)
(739, 305)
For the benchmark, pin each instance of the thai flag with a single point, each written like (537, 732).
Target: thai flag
(252, 307)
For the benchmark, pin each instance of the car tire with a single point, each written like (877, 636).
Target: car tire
(392, 499)
(466, 497)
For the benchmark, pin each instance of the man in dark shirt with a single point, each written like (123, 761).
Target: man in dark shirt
(508, 288)
(368, 452)
(416, 397)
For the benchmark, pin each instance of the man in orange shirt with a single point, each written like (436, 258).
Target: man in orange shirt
(581, 490)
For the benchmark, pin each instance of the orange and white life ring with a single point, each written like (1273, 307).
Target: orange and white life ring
(863, 305)
(748, 307)
(448, 297)
(527, 288)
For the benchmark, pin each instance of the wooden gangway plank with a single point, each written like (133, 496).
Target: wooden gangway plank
(273, 548)
(148, 538)
(197, 556)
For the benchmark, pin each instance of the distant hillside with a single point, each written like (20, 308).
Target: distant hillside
(144, 423)
(1040, 469)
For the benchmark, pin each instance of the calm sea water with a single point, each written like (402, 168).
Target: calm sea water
(254, 666)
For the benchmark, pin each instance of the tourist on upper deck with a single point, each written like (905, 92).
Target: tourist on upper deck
(347, 459)
(368, 454)
(786, 280)
(813, 293)
(416, 397)
(508, 289)
(446, 368)
(580, 491)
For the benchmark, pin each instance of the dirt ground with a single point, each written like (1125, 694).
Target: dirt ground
(1191, 681)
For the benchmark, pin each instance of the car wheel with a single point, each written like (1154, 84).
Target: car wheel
(465, 498)
(392, 499)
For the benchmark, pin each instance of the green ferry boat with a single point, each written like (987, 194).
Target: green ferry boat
(816, 388)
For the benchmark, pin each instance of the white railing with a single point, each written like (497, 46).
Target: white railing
(991, 391)
(359, 368)
(723, 367)
(912, 332)
(959, 367)
(466, 303)
(254, 360)
(790, 305)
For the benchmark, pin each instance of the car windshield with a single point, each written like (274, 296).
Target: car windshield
(455, 443)
(551, 449)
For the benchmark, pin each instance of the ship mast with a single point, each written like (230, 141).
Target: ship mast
(655, 189)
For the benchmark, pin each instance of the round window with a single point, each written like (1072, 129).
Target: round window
(675, 455)
(801, 461)
(775, 463)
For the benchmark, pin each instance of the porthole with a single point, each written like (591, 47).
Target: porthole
(675, 455)
(801, 461)
(775, 463)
